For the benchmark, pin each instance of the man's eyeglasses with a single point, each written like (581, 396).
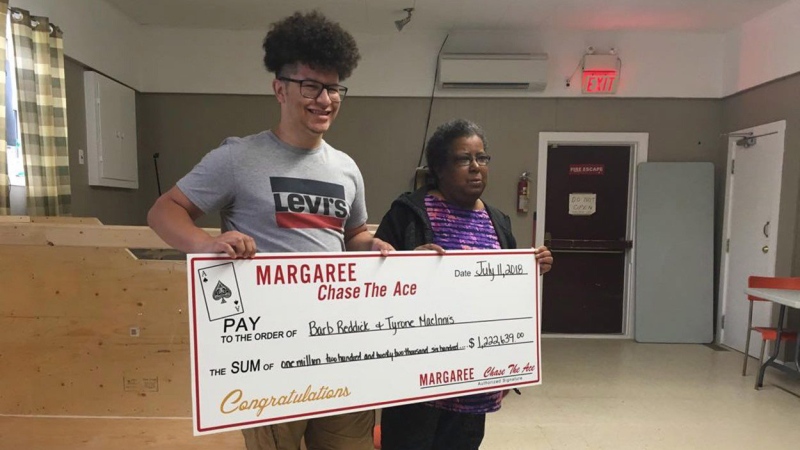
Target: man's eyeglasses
(312, 89)
(466, 160)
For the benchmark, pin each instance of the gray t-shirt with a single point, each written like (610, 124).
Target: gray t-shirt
(288, 199)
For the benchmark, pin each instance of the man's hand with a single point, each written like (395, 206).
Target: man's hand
(173, 218)
(545, 259)
(232, 243)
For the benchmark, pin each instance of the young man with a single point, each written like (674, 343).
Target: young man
(255, 183)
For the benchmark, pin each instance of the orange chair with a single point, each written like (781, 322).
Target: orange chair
(767, 333)
(376, 436)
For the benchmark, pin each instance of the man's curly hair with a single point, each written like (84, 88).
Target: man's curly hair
(313, 40)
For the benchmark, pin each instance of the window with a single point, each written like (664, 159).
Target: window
(16, 166)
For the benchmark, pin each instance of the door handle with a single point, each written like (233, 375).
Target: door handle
(765, 249)
(765, 230)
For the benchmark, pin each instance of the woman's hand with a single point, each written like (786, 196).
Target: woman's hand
(545, 259)
(378, 245)
(433, 247)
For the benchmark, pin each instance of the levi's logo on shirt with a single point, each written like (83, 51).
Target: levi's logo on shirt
(301, 203)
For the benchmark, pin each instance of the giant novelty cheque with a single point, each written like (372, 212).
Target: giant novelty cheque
(284, 337)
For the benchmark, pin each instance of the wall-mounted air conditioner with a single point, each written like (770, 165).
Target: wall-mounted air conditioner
(493, 71)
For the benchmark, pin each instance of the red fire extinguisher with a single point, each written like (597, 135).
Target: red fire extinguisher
(523, 192)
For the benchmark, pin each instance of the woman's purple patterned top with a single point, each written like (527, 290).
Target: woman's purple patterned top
(456, 228)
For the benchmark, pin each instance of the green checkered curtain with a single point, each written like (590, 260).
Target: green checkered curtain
(4, 190)
(42, 111)
(58, 78)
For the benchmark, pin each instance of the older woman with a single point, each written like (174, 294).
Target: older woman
(448, 215)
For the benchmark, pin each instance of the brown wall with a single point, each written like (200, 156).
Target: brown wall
(112, 206)
(680, 130)
(772, 102)
(384, 135)
(183, 128)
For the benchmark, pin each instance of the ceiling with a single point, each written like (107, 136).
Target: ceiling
(376, 16)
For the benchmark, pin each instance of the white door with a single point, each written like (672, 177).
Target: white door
(750, 230)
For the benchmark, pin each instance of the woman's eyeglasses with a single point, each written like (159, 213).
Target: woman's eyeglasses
(466, 160)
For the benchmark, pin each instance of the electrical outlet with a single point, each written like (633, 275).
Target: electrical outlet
(80, 156)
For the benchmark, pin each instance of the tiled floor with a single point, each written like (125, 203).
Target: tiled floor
(596, 394)
(618, 395)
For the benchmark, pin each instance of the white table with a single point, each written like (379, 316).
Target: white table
(785, 298)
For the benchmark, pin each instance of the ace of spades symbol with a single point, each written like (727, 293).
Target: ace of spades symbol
(221, 291)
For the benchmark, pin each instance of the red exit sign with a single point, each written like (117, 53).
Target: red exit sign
(599, 82)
